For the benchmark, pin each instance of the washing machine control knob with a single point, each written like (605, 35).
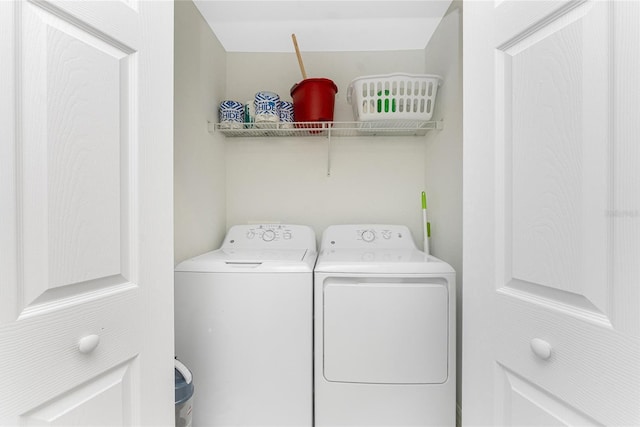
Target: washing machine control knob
(368, 236)
(268, 235)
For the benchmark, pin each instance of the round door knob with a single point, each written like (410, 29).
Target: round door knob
(88, 344)
(541, 348)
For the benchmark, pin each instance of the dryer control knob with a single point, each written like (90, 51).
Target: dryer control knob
(268, 235)
(368, 236)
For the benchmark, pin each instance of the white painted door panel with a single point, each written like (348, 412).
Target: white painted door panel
(551, 192)
(83, 96)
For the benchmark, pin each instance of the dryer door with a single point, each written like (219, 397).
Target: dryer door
(385, 331)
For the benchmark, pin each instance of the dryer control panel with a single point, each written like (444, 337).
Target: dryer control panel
(368, 235)
(276, 236)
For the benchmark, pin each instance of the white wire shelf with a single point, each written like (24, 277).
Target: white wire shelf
(329, 129)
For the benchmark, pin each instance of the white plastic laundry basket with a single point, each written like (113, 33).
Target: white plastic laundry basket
(395, 96)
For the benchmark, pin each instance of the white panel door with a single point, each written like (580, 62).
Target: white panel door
(551, 332)
(85, 206)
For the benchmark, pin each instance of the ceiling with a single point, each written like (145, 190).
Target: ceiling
(322, 26)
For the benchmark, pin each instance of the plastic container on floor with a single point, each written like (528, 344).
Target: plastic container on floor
(183, 395)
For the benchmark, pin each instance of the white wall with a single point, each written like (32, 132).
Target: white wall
(443, 156)
(375, 179)
(221, 182)
(199, 162)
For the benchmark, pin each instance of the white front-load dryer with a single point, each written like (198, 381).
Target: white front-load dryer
(243, 326)
(384, 330)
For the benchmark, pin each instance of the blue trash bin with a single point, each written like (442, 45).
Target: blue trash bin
(183, 395)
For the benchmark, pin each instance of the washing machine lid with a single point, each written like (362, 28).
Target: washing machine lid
(380, 261)
(251, 260)
(260, 248)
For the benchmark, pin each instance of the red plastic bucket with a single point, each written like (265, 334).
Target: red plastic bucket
(313, 100)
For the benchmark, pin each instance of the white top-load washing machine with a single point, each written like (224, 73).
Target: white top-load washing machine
(243, 322)
(384, 330)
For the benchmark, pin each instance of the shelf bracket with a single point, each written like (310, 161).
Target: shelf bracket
(328, 151)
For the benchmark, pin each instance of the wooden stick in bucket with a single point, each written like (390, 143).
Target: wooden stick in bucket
(295, 44)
